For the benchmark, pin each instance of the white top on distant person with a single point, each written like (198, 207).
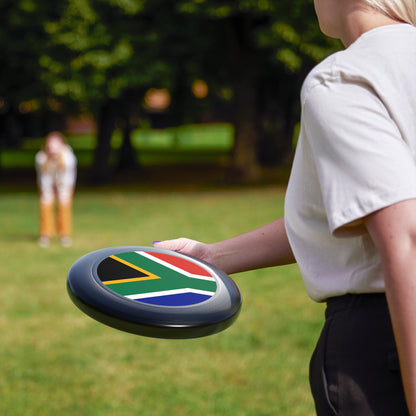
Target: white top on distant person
(56, 167)
(350, 211)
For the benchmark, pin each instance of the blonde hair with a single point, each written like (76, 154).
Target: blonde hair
(50, 161)
(57, 135)
(403, 10)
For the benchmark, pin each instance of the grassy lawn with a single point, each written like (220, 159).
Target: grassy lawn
(184, 144)
(54, 360)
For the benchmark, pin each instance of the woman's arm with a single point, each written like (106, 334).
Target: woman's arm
(263, 247)
(393, 230)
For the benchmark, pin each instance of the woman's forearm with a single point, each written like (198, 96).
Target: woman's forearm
(401, 296)
(262, 247)
(393, 231)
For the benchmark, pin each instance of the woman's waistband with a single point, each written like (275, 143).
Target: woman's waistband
(349, 301)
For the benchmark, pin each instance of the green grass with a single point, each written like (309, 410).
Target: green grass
(184, 144)
(55, 360)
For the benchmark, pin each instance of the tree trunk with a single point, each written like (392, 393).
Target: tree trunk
(101, 170)
(280, 113)
(244, 165)
(127, 156)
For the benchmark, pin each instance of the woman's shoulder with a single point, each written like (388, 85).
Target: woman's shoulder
(372, 61)
(323, 73)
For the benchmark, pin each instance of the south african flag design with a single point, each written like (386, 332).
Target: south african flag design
(157, 278)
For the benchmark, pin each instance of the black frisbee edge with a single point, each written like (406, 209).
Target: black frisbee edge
(153, 331)
(109, 308)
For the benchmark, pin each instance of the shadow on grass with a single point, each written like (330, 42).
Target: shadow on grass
(149, 178)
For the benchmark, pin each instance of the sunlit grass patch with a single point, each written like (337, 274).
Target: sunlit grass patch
(57, 361)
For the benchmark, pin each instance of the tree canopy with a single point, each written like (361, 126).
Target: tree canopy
(101, 56)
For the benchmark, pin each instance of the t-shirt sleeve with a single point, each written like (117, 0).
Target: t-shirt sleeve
(363, 162)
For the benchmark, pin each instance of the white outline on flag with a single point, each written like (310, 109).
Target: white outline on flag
(169, 293)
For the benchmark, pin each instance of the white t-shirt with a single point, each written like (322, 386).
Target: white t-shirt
(356, 154)
(56, 177)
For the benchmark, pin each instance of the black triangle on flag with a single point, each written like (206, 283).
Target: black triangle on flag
(111, 269)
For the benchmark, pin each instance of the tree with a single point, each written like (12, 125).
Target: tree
(104, 55)
(266, 48)
(22, 41)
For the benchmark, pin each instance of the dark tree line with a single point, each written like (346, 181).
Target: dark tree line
(101, 56)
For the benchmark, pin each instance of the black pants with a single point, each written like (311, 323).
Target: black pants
(354, 370)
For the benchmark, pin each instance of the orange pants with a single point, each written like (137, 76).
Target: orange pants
(48, 224)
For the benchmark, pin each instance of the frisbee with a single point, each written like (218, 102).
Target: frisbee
(153, 292)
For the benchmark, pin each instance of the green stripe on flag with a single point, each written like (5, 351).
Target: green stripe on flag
(169, 279)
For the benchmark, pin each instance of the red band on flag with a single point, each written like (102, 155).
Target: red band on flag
(181, 263)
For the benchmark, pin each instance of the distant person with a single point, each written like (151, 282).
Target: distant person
(56, 175)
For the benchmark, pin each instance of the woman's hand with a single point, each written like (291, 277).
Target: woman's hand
(186, 246)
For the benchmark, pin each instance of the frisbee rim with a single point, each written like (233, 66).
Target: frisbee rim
(101, 303)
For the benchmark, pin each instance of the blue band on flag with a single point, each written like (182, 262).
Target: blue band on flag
(179, 299)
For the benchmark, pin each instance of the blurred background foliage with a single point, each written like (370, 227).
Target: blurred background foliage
(129, 64)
